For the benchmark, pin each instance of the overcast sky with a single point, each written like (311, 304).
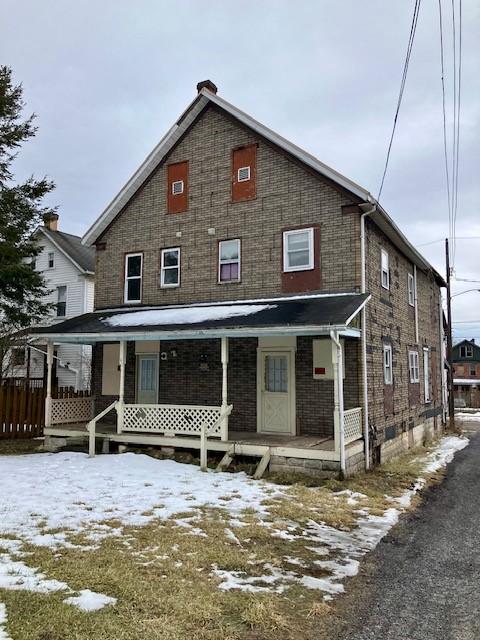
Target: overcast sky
(108, 78)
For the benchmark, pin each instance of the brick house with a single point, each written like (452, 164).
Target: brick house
(466, 373)
(237, 273)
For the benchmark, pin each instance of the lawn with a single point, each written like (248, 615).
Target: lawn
(127, 546)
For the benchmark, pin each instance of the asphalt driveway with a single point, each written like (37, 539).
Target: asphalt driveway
(423, 580)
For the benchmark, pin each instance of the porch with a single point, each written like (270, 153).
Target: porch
(285, 391)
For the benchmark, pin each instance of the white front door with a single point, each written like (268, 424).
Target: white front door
(276, 392)
(147, 379)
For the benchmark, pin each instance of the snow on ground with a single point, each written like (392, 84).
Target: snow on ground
(90, 601)
(464, 416)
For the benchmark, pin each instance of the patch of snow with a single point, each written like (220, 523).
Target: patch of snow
(468, 417)
(90, 601)
(353, 497)
(443, 454)
(274, 581)
(231, 536)
(184, 315)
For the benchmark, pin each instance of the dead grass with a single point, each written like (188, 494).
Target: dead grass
(162, 576)
(20, 446)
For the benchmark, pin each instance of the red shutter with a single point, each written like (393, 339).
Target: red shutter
(244, 157)
(176, 203)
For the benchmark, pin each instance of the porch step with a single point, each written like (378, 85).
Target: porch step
(262, 465)
(226, 460)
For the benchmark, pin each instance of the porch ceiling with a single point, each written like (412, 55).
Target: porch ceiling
(316, 314)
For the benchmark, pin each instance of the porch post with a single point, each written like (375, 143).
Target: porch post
(224, 427)
(121, 390)
(48, 399)
(338, 415)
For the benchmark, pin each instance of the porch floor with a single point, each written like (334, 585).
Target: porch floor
(242, 442)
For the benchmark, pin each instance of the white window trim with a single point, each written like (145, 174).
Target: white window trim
(411, 289)
(386, 271)
(414, 366)
(243, 179)
(311, 257)
(221, 262)
(387, 368)
(163, 268)
(51, 253)
(127, 278)
(426, 375)
(177, 193)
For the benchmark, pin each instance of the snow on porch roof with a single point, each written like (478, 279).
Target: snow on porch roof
(298, 315)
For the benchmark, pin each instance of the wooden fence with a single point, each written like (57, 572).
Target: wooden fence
(22, 409)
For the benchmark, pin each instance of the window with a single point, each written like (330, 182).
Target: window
(51, 260)
(466, 351)
(387, 364)
(170, 268)
(18, 357)
(298, 250)
(244, 174)
(61, 302)
(411, 290)
(426, 374)
(177, 187)
(33, 264)
(385, 270)
(413, 366)
(473, 371)
(229, 261)
(133, 277)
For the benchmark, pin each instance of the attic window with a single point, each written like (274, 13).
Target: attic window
(177, 187)
(51, 260)
(243, 174)
(466, 351)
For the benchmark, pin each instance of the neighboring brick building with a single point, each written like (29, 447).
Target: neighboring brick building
(466, 373)
(226, 210)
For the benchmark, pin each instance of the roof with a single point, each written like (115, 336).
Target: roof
(193, 111)
(82, 256)
(456, 357)
(300, 315)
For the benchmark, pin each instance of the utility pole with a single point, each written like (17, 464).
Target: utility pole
(451, 402)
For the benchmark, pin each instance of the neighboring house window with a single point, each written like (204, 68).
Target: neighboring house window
(411, 290)
(244, 173)
(133, 277)
(170, 267)
(229, 261)
(385, 270)
(426, 374)
(51, 260)
(298, 250)
(473, 371)
(413, 366)
(18, 357)
(177, 187)
(61, 302)
(466, 351)
(387, 364)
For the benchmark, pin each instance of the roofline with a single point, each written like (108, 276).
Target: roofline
(62, 250)
(181, 125)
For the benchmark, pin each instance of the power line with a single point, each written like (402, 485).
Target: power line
(425, 244)
(457, 101)
(413, 29)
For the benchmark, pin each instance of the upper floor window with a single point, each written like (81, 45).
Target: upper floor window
(466, 351)
(170, 267)
(229, 261)
(385, 270)
(61, 302)
(426, 374)
(51, 259)
(387, 364)
(133, 277)
(298, 250)
(411, 290)
(177, 187)
(244, 171)
(18, 357)
(413, 366)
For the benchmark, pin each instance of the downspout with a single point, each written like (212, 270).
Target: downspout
(415, 300)
(363, 287)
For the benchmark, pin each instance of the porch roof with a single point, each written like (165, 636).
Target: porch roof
(315, 314)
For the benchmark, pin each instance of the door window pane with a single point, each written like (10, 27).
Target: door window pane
(147, 376)
(134, 266)
(276, 374)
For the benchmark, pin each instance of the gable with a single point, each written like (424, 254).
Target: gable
(459, 358)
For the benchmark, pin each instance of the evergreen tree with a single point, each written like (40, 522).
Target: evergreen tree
(21, 211)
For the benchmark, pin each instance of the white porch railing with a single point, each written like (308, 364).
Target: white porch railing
(71, 410)
(353, 424)
(172, 419)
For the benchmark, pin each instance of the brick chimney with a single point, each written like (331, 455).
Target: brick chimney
(207, 84)
(50, 220)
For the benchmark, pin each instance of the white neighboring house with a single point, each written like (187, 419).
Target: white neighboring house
(69, 271)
